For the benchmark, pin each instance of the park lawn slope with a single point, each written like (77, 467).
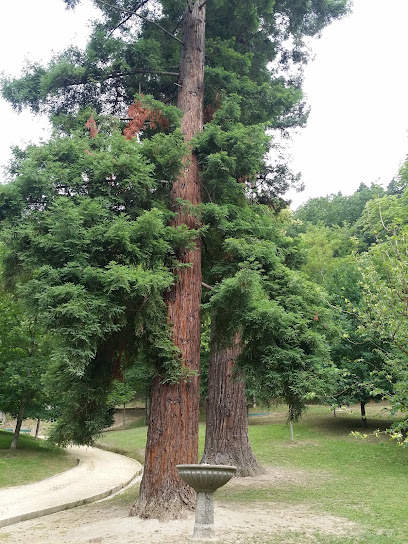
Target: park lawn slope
(362, 480)
(33, 460)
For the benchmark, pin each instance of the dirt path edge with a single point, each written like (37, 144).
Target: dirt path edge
(5, 522)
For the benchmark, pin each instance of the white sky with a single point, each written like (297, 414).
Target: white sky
(34, 31)
(356, 87)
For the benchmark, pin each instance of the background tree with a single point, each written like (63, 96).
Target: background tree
(330, 259)
(121, 394)
(338, 210)
(23, 361)
(384, 289)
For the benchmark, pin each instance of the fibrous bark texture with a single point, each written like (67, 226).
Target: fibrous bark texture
(226, 439)
(173, 424)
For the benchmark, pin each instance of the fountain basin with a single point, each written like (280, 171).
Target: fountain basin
(206, 478)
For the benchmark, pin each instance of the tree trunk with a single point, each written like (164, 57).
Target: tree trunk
(124, 415)
(20, 416)
(37, 429)
(172, 436)
(363, 415)
(226, 438)
(292, 436)
(147, 405)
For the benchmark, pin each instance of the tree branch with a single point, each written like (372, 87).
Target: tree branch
(207, 286)
(381, 218)
(339, 309)
(133, 72)
(123, 21)
(127, 18)
(73, 83)
(141, 17)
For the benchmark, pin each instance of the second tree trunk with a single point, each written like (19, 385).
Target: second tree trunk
(226, 439)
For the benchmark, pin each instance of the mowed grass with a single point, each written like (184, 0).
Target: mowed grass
(130, 441)
(363, 481)
(33, 460)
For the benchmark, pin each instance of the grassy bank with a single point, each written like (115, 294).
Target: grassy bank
(32, 461)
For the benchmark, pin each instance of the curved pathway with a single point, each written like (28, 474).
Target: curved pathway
(98, 474)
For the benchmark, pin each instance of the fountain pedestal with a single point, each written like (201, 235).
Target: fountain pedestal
(205, 479)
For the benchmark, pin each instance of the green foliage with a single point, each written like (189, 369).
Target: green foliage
(254, 49)
(383, 268)
(230, 153)
(121, 393)
(384, 302)
(85, 217)
(324, 249)
(273, 308)
(364, 286)
(381, 218)
(242, 38)
(87, 248)
(23, 360)
(338, 210)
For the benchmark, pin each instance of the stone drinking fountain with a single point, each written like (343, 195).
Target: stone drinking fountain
(205, 479)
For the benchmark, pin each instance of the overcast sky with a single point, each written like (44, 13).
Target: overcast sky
(356, 87)
(34, 31)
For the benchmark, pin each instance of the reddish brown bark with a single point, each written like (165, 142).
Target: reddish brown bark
(226, 438)
(173, 424)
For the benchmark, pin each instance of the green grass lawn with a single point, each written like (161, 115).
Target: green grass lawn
(32, 461)
(364, 481)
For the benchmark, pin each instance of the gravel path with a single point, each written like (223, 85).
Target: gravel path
(98, 474)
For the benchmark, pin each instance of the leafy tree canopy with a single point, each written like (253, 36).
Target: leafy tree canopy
(338, 210)
(86, 216)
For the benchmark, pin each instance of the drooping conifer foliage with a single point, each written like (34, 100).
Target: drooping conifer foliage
(105, 232)
(94, 252)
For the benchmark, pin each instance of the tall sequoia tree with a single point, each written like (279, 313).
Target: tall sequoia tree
(174, 409)
(265, 333)
(136, 49)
